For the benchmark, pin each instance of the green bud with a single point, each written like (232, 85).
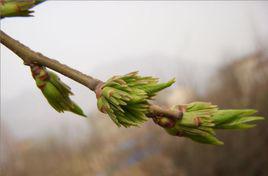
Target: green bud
(125, 98)
(56, 92)
(13, 8)
(201, 118)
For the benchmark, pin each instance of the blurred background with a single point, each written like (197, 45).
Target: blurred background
(216, 50)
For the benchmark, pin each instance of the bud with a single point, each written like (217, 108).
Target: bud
(125, 98)
(165, 122)
(13, 8)
(56, 92)
(200, 119)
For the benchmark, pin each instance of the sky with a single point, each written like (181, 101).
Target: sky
(106, 38)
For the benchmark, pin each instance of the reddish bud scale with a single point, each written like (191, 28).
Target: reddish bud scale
(111, 93)
(164, 122)
(44, 77)
(41, 73)
(98, 90)
(42, 86)
(103, 110)
(197, 121)
(37, 71)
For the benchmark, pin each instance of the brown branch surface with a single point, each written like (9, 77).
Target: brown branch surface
(29, 56)
(158, 111)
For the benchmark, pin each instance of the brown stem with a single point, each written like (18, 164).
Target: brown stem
(157, 111)
(29, 56)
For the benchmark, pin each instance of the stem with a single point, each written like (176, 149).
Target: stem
(157, 111)
(29, 56)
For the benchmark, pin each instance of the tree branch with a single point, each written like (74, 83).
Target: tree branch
(29, 56)
(157, 111)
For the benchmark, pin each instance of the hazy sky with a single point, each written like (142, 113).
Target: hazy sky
(90, 35)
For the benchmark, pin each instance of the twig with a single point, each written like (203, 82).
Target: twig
(29, 56)
(157, 111)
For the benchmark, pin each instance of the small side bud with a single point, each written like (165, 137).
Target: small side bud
(56, 92)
